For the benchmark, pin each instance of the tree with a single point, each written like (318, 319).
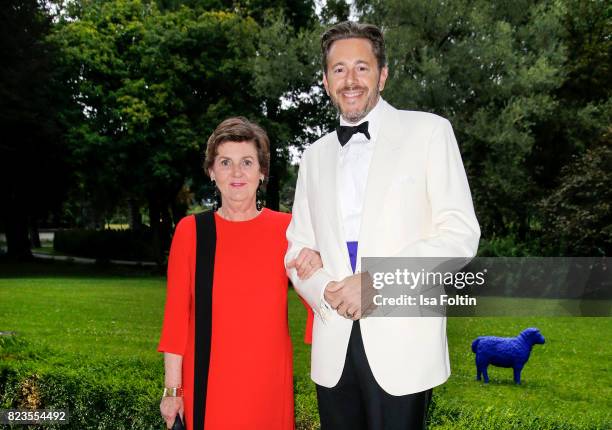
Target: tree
(300, 13)
(335, 11)
(287, 79)
(578, 213)
(575, 147)
(492, 68)
(152, 86)
(33, 173)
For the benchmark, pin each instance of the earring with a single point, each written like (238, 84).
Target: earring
(216, 198)
(259, 204)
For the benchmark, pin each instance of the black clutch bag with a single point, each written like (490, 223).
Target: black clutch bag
(178, 423)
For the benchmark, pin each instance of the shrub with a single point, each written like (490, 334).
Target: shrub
(124, 394)
(578, 214)
(106, 244)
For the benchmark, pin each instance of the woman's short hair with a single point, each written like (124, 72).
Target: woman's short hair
(239, 129)
(350, 30)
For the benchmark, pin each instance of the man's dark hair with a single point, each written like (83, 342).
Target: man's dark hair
(349, 30)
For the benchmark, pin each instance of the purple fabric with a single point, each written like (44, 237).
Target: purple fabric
(352, 250)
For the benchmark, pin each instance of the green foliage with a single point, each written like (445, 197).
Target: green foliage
(286, 79)
(491, 69)
(153, 79)
(587, 25)
(94, 401)
(105, 244)
(299, 12)
(507, 246)
(578, 214)
(525, 85)
(152, 87)
(33, 174)
(113, 101)
(335, 11)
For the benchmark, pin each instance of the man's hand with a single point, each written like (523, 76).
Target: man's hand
(306, 263)
(367, 294)
(332, 294)
(345, 296)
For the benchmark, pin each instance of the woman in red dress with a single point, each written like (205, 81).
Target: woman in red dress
(225, 334)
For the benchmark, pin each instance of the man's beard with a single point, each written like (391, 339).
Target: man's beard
(354, 117)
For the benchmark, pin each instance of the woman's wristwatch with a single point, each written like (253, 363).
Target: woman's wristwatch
(173, 392)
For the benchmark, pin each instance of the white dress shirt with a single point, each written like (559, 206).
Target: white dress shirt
(353, 167)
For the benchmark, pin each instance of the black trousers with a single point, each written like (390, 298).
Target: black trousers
(358, 403)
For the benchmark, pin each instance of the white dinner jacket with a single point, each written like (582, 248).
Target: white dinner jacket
(417, 204)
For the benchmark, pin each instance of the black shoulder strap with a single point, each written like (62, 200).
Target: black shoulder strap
(206, 239)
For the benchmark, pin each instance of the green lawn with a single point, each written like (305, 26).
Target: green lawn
(567, 378)
(109, 322)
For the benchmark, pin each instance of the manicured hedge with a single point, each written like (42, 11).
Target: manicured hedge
(99, 395)
(106, 244)
(128, 403)
(124, 394)
(113, 394)
(92, 404)
(109, 403)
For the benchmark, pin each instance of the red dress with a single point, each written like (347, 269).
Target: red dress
(250, 382)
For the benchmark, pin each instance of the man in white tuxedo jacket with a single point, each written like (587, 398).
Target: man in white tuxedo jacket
(387, 183)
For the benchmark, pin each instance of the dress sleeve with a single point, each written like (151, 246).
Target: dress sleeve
(178, 295)
(309, 323)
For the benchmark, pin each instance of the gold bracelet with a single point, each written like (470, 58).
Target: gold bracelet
(173, 392)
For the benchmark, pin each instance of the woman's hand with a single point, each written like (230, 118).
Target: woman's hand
(307, 262)
(170, 407)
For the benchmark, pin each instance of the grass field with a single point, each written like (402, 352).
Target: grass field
(82, 319)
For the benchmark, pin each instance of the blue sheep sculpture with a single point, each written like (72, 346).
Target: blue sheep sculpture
(505, 352)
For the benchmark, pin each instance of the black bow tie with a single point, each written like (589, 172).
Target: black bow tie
(346, 131)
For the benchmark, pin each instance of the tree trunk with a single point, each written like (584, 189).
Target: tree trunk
(34, 236)
(154, 216)
(179, 211)
(165, 228)
(17, 240)
(273, 187)
(135, 220)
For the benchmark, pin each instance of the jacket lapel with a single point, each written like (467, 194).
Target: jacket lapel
(328, 187)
